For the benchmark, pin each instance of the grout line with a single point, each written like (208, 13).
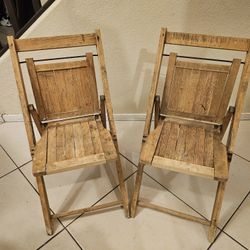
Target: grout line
(13, 170)
(243, 158)
(101, 198)
(168, 190)
(222, 230)
(73, 238)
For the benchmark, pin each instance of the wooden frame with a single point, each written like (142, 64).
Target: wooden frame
(96, 123)
(205, 126)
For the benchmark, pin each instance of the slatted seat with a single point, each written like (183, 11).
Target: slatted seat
(193, 115)
(73, 145)
(67, 113)
(182, 147)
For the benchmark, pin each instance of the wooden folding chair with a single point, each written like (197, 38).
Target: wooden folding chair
(68, 116)
(193, 116)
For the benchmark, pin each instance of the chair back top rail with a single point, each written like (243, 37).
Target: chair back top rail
(207, 41)
(56, 42)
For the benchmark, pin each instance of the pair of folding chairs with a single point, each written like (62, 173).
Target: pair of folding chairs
(189, 123)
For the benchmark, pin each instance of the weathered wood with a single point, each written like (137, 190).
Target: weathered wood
(185, 216)
(148, 149)
(103, 110)
(45, 204)
(183, 167)
(226, 121)
(207, 41)
(36, 119)
(87, 209)
(220, 160)
(157, 110)
(154, 85)
(240, 101)
(22, 93)
(57, 42)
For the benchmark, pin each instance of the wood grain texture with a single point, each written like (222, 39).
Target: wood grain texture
(43, 43)
(207, 41)
(64, 89)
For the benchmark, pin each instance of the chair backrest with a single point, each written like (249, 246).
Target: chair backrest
(198, 90)
(65, 89)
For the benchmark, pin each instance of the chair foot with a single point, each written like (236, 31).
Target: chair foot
(49, 231)
(212, 233)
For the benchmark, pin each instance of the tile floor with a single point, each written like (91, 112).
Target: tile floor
(21, 222)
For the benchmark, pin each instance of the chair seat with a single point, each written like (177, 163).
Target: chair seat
(191, 148)
(71, 145)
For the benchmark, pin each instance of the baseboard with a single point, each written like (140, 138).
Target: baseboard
(118, 117)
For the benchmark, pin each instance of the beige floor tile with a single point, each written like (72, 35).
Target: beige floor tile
(79, 188)
(225, 242)
(199, 193)
(5, 162)
(239, 226)
(63, 241)
(148, 230)
(129, 135)
(14, 140)
(242, 146)
(21, 221)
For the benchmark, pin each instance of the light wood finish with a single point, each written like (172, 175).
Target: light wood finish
(200, 90)
(207, 41)
(45, 204)
(87, 209)
(22, 93)
(194, 116)
(64, 89)
(69, 117)
(57, 42)
(144, 203)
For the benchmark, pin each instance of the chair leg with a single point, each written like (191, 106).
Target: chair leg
(45, 204)
(216, 210)
(123, 190)
(136, 189)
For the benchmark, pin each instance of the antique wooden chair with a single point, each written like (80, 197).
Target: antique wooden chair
(193, 116)
(68, 115)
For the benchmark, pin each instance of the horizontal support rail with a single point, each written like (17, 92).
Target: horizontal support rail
(146, 204)
(204, 58)
(87, 209)
(57, 58)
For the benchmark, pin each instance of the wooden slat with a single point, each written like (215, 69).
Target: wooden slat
(35, 87)
(168, 82)
(200, 40)
(161, 148)
(87, 140)
(189, 153)
(203, 66)
(95, 136)
(75, 163)
(183, 167)
(52, 144)
(180, 145)
(220, 160)
(61, 65)
(154, 85)
(69, 142)
(22, 93)
(41, 43)
(149, 147)
(78, 140)
(199, 146)
(39, 160)
(229, 87)
(107, 142)
(60, 143)
(208, 151)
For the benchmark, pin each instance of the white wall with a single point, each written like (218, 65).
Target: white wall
(130, 31)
